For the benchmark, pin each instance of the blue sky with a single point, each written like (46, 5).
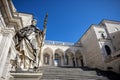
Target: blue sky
(69, 19)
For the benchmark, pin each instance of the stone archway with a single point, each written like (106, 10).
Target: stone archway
(48, 57)
(79, 59)
(108, 50)
(70, 60)
(58, 57)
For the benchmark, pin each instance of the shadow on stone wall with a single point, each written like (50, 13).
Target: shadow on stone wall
(109, 74)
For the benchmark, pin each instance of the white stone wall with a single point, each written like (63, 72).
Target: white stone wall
(100, 30)
(26, 19)
(8, 67)
(113, 29)
(102, 48)
(6, 43)
(112, 26)
(91, 48)
(115, 37)
(94, 46)
(4, 48)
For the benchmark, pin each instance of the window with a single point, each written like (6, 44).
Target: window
(102, 35)
(113, 37)
(108, 50)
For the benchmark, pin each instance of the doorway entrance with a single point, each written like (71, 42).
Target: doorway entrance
(57, 59)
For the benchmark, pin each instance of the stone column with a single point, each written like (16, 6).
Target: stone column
(50, 60)
(75, 60)
(53, 57)
(70, 61)
(4, 47)
(62, 60)
(40, 62)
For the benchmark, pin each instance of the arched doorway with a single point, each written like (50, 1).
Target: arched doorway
(47, 57)
(70, 60)
(79, 59)
(108, 50)
(58, 57)
(67, 59)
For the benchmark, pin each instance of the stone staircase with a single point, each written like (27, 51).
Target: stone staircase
(58, 73)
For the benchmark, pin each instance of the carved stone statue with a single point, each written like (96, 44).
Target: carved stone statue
(28, 43)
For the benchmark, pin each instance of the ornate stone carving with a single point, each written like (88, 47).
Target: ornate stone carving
(28, 43)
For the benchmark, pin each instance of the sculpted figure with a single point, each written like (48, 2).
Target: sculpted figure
(28, 43)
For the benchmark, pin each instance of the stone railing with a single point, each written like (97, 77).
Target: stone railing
(60, 43)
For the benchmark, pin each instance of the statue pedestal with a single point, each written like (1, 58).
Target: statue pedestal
(26, 75)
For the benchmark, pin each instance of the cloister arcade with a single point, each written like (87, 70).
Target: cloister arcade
(58, 55)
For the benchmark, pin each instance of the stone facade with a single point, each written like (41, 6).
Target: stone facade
(63, 53)
(99, 47)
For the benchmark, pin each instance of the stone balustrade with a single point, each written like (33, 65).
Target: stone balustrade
(60, 43)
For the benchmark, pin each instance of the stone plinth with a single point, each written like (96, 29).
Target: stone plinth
(25, 75)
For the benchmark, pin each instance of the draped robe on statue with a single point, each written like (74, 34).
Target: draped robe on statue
(28, 43)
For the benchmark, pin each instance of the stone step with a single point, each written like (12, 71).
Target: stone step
(71, 73)
(63, 69)
(53, 67)
(68, 79)
(67, 71)
(56, 73)
(73, 77)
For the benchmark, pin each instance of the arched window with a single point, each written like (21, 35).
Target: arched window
(108, 50)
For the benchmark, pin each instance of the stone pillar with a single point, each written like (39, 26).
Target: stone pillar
(4, 47)
(62, 60)
(70, 61)
(75, 60)
(53, 57)
(41, 57)
(50, 60)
